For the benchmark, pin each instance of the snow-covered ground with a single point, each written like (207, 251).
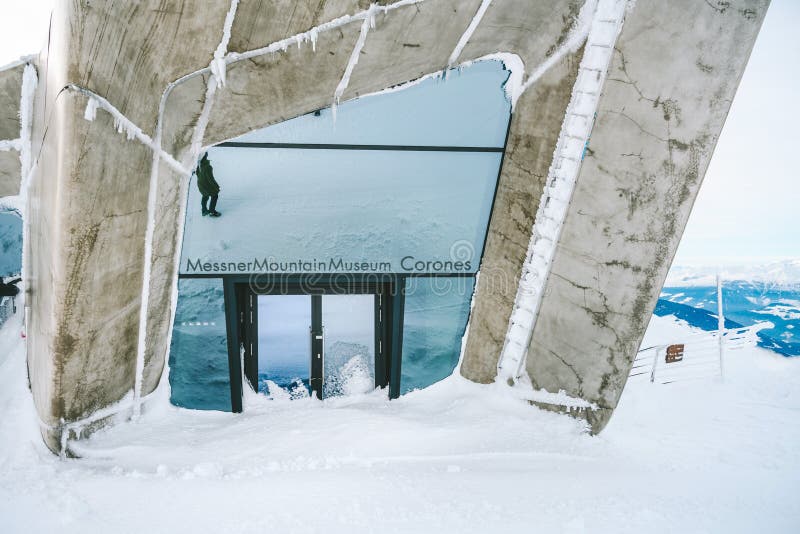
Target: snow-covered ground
(695, 456)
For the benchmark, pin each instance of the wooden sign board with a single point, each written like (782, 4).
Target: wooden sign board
(674, 353)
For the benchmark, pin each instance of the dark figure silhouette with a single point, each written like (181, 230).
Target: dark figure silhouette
(9, 289)
(208, 186)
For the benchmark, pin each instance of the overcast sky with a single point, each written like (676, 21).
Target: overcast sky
(749, 204)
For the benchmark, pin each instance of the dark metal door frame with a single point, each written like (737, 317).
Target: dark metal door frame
(317, 347)
(241, 302)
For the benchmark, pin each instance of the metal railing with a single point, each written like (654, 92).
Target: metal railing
(700, 355)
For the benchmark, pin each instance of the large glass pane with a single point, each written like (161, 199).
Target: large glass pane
(342, 211)
(468, 107)
(436, 313)
(331, 210)
(348, 323)
(10, 243)
(198, 359)
(284, 323)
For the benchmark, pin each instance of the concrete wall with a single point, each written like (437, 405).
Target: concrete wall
(673, 76)
(10, 93)
(90, 216)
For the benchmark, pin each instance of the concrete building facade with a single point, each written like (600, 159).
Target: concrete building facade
(617, 107)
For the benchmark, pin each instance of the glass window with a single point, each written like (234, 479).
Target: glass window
(330, 210)
(10, 243)
(342, 211)
(436, 314)
(198, 360)
(468, 107)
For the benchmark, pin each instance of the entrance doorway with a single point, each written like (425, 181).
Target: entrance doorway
(284, 327)
(348, 348)
(321, 337)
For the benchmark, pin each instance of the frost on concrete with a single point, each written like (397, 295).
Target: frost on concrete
(10, 144)
(29, 82)
(217, 79)
(366, 25)
(605, 26)
(517, 84)
(122, 124)
(465, 37)
(217, 65)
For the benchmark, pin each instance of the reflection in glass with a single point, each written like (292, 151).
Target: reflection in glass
(198, 360)
(348, 323)
(284, 323)
(330, 208)
(323, 210)
(436, 313)
(467, 108)
(10, 243)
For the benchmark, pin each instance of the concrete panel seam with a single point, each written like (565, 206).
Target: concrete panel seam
(465, 37)
(122, 123)
(369, 22)
(517, 84)
(29, 82)
(217, 79)
(562, 176)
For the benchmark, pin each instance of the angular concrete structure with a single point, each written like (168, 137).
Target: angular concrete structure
(590, 229)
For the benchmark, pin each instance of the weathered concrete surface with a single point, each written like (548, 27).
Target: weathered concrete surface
(9, 173)
(529, 152)
(10, 91)
(88, 196)
(674, 73)
(402, 48)
(274, 87)
(259, 23)
(88, 217)
(533, 30)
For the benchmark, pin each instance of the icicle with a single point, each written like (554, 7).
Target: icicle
(218, 64)
(91, 110)
(312, 36)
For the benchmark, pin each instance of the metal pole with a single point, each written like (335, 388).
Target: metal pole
(720, 328)
(655, 364)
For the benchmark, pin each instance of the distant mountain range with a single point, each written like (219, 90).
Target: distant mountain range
(752, 293)
(784, 273)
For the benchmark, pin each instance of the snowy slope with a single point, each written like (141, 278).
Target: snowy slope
(457, 457)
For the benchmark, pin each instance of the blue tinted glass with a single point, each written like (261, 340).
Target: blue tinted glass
(467, 108)
(342, 211)
(198, 359)
(284, 322)
(436, 313)
(10, 244)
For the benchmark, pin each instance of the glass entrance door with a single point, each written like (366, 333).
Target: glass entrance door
(322, 345)
(284, 326)
(348, 323)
